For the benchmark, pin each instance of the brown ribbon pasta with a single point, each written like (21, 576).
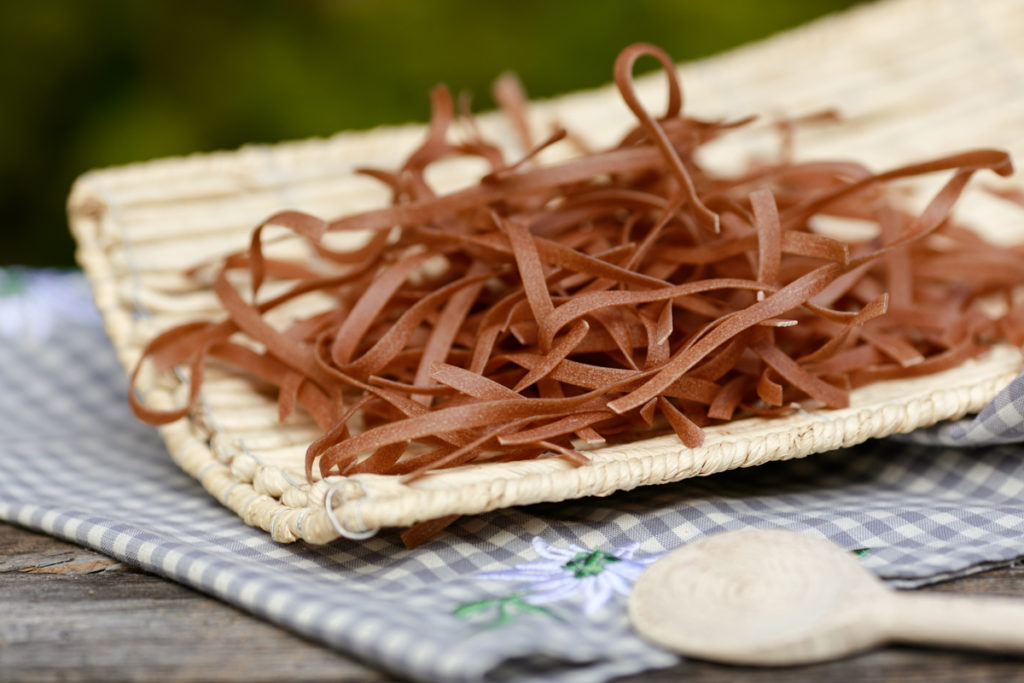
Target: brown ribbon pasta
(580, 301)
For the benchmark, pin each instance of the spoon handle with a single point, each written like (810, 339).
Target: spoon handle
(957, 621)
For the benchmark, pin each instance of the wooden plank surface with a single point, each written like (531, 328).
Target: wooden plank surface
(70, 614)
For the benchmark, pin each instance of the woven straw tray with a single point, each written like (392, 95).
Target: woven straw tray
(912, 78)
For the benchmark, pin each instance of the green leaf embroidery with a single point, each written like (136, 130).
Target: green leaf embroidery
(507, 608)
(471, 608)
(590, 564)
(11, 282)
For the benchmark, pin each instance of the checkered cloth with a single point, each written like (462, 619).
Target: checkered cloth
(522, 593)
(1001, 421)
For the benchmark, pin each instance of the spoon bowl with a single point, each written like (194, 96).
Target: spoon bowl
(777, 598)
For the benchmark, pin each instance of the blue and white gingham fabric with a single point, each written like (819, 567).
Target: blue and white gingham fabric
(468, 605)
(1001, 421)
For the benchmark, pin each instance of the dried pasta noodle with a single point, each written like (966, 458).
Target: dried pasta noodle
(601, 297)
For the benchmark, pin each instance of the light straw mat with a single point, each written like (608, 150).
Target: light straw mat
(912, 79)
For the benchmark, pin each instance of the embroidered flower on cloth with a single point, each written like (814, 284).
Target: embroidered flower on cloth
(565, 573)
(33, 301)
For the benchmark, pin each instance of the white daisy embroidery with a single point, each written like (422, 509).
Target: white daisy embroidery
(565, 573)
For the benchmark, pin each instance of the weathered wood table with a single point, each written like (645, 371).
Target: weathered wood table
(71, 614)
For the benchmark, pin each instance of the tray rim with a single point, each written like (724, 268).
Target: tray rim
(354, 506)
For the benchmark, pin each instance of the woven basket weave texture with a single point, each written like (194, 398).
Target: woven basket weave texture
(912, 79)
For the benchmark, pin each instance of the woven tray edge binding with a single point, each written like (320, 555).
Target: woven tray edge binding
(366, 503)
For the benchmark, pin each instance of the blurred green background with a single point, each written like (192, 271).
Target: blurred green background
(102, 82)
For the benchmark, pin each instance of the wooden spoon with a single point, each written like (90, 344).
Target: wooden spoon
(777, 598)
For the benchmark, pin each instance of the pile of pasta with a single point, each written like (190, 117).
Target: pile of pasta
(623, 291)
